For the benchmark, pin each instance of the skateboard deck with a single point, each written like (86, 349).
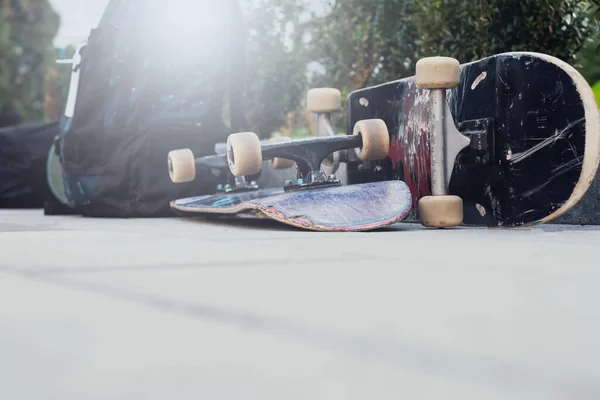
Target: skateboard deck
(534, 129)
(337, 208)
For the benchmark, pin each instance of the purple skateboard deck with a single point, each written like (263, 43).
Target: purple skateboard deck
(338, 208)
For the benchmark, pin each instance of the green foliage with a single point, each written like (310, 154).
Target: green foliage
(469, 30)
(588, 62)
(360, 43)
(596, 89)
(595, 12)
(27, 29)
(276, 63)
(347, 43)
(363, 43)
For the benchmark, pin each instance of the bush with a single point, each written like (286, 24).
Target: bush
(470, 30)
(27, 29)
(391, 35)
(276, 64)
(596, 89)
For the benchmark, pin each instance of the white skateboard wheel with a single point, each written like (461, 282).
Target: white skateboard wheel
(281, 163)
(441, 211)
(437, 73)
(244, 153)
(182, 166)
(323, 100)
(375, 139)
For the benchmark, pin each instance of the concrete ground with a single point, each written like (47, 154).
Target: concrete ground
(182, 309)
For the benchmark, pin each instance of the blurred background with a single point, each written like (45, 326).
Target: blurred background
(293, 45)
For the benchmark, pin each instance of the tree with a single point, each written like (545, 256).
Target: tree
(474, 29)
(393, 34)
(362, 43)
(588, 62)
(27, 29)
(276, 63)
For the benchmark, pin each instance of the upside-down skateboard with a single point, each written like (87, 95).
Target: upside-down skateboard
(314, 201)
(513, 138)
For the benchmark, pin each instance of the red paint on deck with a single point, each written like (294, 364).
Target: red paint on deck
(409, 149)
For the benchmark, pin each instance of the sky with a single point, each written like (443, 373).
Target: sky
(78, 18)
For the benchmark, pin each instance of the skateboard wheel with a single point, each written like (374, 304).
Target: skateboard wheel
(323, 100)
(375, 139)
(244, 153)
(182, 166)
(441, 211)
(437, 73)
(281, 163)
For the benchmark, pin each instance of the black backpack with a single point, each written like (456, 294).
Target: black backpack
(154, 76)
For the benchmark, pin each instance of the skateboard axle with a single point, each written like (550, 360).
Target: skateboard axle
(439, 180)
(307, 153)
(446, 144)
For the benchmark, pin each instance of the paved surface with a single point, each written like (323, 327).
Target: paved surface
(587, 211)
(178, 309)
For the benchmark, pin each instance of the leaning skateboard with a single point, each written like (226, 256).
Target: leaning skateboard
(314, 201)
(510, 140)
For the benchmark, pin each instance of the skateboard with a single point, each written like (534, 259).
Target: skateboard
(345, 208)
(315, 201)
(507, 141)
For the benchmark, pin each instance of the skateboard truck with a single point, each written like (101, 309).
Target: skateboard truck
(309, 155)
(441, 210)
(245, 154)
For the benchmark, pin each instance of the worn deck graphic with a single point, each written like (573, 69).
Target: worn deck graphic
(537, 156)
(339, 208)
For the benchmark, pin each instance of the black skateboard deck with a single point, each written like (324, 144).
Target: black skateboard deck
(534, 129)
(337, 208)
